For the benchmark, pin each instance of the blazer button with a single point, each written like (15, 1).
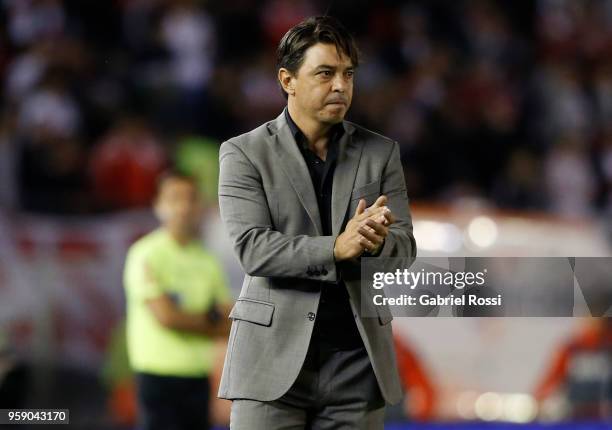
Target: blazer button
(311, 316)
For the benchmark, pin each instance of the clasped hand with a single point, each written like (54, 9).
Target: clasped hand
(365, 231)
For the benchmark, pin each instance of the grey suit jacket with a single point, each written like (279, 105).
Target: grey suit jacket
(269, 208)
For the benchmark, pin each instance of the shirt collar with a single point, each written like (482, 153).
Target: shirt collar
(336, 131)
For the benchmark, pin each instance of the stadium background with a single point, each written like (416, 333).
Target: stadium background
(504, 115)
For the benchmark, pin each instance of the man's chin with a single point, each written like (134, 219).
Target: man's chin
(334, 116)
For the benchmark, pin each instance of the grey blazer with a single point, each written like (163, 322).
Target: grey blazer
(269, 208)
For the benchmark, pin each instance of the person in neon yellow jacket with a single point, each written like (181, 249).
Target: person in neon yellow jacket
(177, 305)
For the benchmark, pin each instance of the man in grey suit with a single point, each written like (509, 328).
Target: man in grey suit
(304, 197)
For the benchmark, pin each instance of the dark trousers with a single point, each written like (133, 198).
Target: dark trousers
(335, 390)
(172, 403)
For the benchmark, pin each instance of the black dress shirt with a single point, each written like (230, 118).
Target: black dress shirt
(335, 325)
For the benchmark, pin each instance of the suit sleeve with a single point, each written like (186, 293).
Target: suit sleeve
(262, 250)
(400, 242)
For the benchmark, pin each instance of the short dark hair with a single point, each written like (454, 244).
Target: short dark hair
(173, 174)
(316, 29)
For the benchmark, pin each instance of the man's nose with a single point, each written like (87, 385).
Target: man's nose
(339, 83)
(183, 208)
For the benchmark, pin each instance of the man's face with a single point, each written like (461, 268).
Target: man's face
(178, 205)
(323, 85)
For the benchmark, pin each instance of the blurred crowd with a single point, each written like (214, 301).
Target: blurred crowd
(507, 102)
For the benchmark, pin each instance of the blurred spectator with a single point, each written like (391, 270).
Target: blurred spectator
(177, 306)
(570, 177)
(564, 104)
(50, 111)
(34, 20)
(262, 96)
(26, 71)
(188, 34)
(125, 164)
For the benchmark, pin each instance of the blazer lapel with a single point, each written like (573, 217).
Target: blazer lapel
(292, 162)
(344, 176)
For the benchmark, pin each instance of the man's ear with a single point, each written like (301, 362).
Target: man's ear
(286, 80)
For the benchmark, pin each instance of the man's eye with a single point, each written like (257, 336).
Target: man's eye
(350, 73)
(325, 73)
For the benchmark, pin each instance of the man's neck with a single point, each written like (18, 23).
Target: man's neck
(316, 133)
(182, 237)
